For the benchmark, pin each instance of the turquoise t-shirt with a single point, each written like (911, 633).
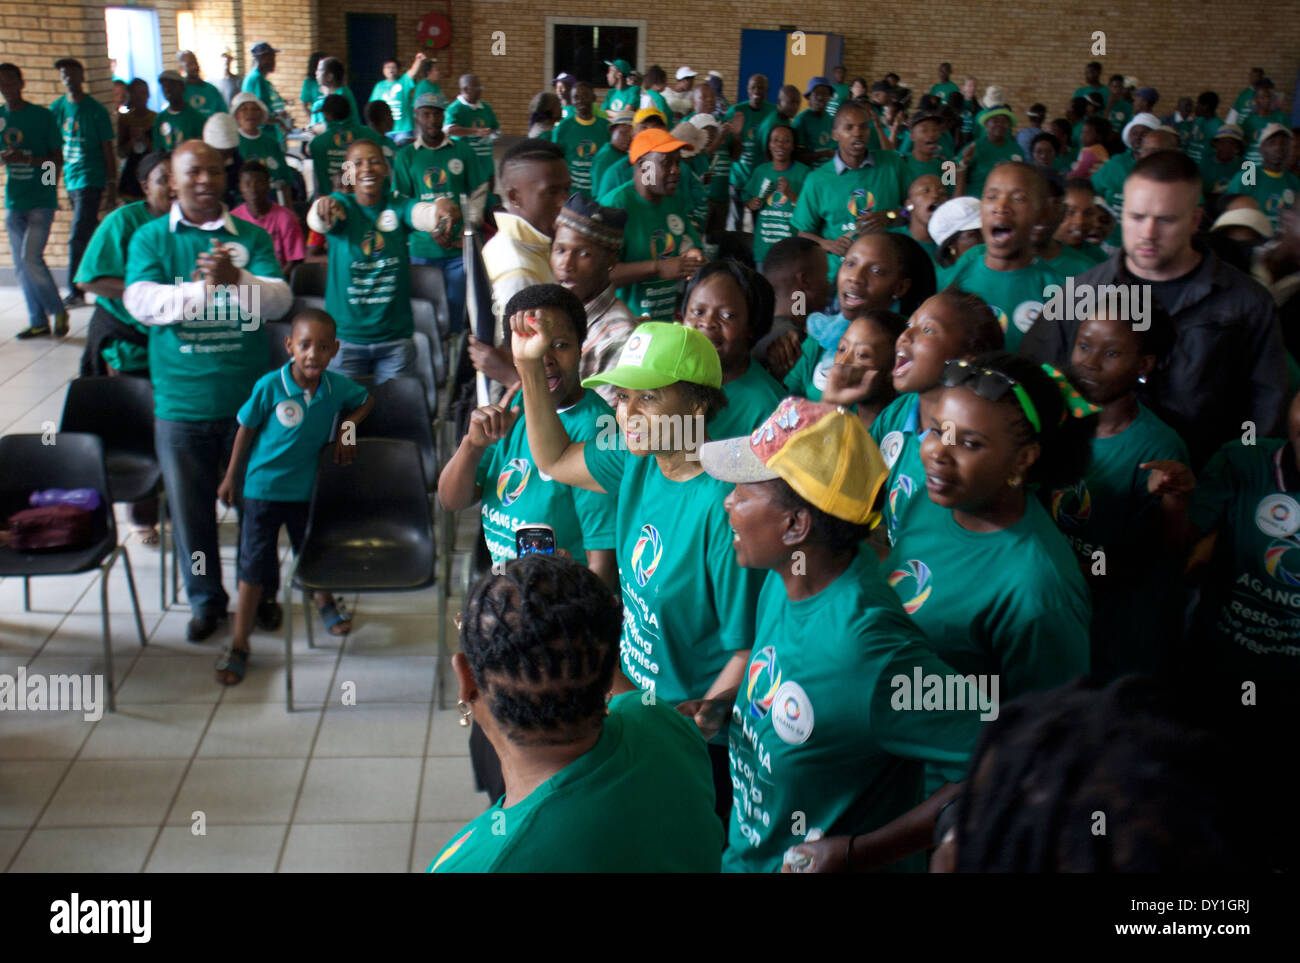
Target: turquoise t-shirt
(265, 149)
(807, 379)
(1253, 126)
(1250, 605)
(813, 132)
(479, 117)
(1273, 191)
(1016, 297)
(831, 202)
(257, 83)
(581, 140)
(515, 492)
(898, 433)
(655, 100)
(308, 95)
(397, 95)
(1108, 181)
(429, 173)
(1070, 262)
(1216, 176)
(653, 232)
(687, 605)
(85, 127)
(629, 98)
(170, 129)
(203, 370)
(105, 255)
(35, 130)
(329, 149)
(204, 98)
(819, 701)
(292, 426)
(753, 151)
(987, 156)
(773, 221)
(1199, 134)
(317, 107)
(605, 157)
(1111, 511)
(368, 287)
(751, 398)
(640, 801)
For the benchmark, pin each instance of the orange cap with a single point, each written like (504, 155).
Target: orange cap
(653, 140)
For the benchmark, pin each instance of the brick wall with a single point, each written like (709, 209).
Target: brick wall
(1035, 49)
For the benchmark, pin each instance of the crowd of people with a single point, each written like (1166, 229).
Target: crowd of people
(866, 426)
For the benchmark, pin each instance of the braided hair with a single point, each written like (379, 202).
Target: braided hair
(541, 639)
(1054, 763)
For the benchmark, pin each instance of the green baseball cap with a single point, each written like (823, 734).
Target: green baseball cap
(661, 353)
(622, 66)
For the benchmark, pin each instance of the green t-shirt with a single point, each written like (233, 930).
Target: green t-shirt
(1108, 181)
(1120, 114)
(255, 82)
(1093, 252)
(397, 95)
(773, 221)
(945, 90)
(653, 232)
(329, 149)
(581, 140)
(1070, 262)
(1102, 92)
(629, 98)
(813, 132)
(751, 398)
(605, 157)
(1199, 133)
(693, 171)
(309, 96)
(515, 492)
(202, 370)
(987, 156)
(1251, 601)
(35, 130)
(1253, 126)
(898, 433)
(1016, 297)
(479, 117)
(619, 172)
(687, 604)
(918, 168)
(807, 379)
(427, 174)
(654, 99)
(842, 93)
(831, 202)
(105, 255)
(85, 126)
(818, 702)
(171, 129)
(266, 149)
(204, 98)
(292, 426)
(1244, 105)
(753, 151)
(1011, 603)
(368, 287)
(1273, 191)
(929, 247)
(317, 106)
(1217, 177)
(640, 801)
(1111, 511)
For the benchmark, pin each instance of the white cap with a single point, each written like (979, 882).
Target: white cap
(1254, 219)
(994, 96)
(247, 97)
(692, 135)
(952, 217)
(1149, 121)
(220, 132)
(703, 120)
(714, 73)
(684, 72)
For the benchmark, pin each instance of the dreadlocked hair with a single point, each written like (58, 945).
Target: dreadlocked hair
(1053, 763)
(541, 639)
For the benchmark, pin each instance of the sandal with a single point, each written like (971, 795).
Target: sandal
(234, 661)
(334, 616)
(146, 534)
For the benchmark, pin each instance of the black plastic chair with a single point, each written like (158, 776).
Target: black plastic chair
(75, 460)
(119, 410)
(370, 529)
(276, 332)
(309, 278)
(400, 412)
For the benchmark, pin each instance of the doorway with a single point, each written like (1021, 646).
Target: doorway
(135, 48)
(372, 39)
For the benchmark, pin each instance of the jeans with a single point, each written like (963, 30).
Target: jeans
(193, 456)
(85, 216)
(385, 360)
(28, 232)
(453, 279)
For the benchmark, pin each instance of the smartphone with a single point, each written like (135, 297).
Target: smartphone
(534, 538)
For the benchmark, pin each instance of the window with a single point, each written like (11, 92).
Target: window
(581, 46)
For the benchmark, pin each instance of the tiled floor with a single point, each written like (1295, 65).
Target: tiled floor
(191, 776)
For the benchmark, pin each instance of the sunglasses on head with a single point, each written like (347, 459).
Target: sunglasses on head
(991, 386)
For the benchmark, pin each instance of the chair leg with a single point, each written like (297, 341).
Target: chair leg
(135, 600)
(307, 616)
(162, 550)
(288, 638)
(176, 568)
(108, 641)
(27, 594)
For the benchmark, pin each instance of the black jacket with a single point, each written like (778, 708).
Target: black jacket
(1228, 366)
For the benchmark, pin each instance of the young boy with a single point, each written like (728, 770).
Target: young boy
(256, 142)
(276, 220)
(282, 427)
